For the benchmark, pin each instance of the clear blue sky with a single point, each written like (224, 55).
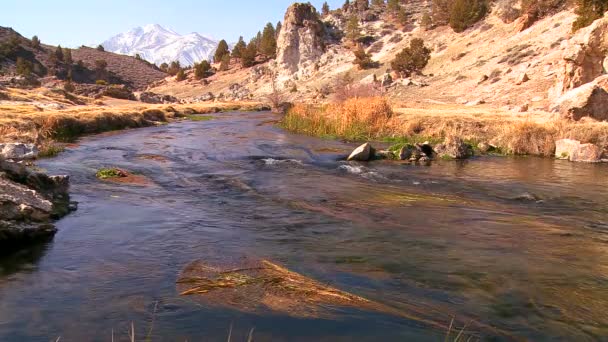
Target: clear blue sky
(76, 22)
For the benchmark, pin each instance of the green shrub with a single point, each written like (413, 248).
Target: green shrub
(588, 11)
(362, 59)
(411, 59)
(465, 13)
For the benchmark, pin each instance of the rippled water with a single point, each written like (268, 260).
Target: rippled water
(518, 244)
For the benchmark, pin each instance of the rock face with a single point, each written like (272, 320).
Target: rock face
(362, 153)
(301, 41)
(583, 59)
(574, 151)
(29, 201)
(590, 100)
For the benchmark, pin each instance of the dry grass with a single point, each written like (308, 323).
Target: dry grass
(373, 119)
(354, 119)
(35, 122)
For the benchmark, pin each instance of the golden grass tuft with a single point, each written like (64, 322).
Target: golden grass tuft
(355, 118)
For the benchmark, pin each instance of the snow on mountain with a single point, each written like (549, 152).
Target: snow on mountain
(158, 45)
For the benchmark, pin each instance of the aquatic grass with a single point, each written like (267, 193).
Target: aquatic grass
(107, 173)
(50, 150)
(200, 117)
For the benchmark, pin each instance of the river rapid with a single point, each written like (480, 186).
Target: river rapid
(513, 248)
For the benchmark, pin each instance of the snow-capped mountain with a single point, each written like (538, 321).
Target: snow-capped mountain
(158, 45)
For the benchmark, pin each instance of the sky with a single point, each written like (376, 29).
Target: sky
(72, 23)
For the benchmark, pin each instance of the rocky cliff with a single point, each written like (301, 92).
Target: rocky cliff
(301, 41)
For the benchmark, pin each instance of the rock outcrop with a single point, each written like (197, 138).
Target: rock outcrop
(573, 150)
(18, 151)
(301, 41)
(29, 202)
(150, 97)
(588, 100)
(584, 57)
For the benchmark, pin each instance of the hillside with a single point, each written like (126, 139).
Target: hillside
(41, 62)
(507, 64)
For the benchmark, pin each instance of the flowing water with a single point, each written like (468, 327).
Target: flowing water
(518, 244)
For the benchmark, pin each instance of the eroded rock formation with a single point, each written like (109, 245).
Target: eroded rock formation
(301, 41)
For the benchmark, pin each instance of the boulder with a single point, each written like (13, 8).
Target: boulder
(29, 201)
(362, 153)
(387, 80)
(18, 151)
(454, 148)
(301, 42)
(406, 152)
(590, 100)
(573, 150)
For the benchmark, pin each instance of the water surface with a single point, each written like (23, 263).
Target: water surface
(519, 244)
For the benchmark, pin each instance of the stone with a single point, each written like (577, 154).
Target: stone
(482, 79)
(406, 152)
(362, 153)
(521, 79)
(18, 151)
(523, 108)
(454, 147)
(588, 100)
(573, 150)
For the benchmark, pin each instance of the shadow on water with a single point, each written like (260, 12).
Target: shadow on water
(24, 260)
(519, 245)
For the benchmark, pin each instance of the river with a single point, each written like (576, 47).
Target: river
(517, 244)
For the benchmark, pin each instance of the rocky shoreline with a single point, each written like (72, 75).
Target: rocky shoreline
(30, 201)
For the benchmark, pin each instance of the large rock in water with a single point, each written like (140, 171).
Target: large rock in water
(583, 58)
(590, 100)
(301, 41)
(574, 151)
(454, 148)
(29, 202)
(364, 152)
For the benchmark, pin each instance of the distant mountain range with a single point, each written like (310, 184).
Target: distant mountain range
(158, 45)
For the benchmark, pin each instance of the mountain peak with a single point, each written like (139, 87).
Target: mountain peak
(160, 45)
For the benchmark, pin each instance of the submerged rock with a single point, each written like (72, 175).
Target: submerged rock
(29, 202)
(573, 150)
(364, 152)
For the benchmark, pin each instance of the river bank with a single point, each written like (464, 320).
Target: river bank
(369, 119)
(31, 120)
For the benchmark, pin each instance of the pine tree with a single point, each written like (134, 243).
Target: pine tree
(24, 67)
(237, 51)
(100, 48)
(164, 67)
(464, 13)
(362, 58)
(258, 40)
(268, 43)
(174, 68)
(393, 6)
(67, 56)
(346, 6)
(249, 54)
(35, 42)
(201, 69)
(411, 59)
(222, 49)
(181, 75)
(353, 31)
(59, 54)
(325, 9)
(225, 64)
